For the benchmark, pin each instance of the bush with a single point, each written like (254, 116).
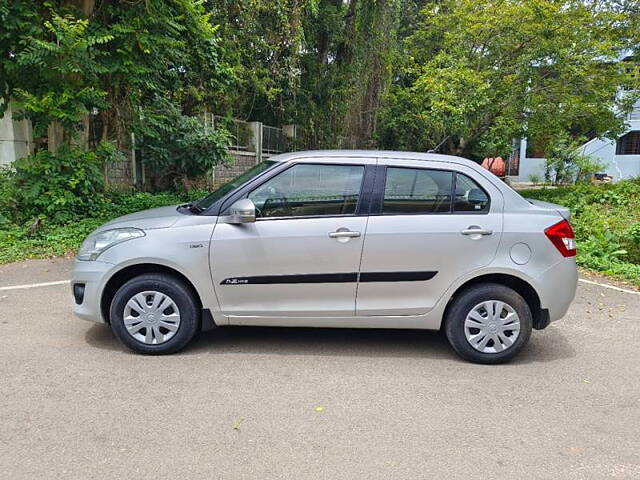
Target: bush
(7, 197)
(178, 147)
(566, 165)
(61, 187)
(606, 220)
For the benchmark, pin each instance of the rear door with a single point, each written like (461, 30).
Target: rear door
(430, 224)
(301, 257)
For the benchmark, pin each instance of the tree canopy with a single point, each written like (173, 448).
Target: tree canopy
(468, 76)
(475, 74)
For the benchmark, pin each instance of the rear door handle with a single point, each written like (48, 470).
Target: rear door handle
(344, 234)
(476, 231)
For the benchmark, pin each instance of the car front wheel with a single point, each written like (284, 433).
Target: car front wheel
(488, 323)
(154, 314)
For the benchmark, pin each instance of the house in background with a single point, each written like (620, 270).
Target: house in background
(620, 157)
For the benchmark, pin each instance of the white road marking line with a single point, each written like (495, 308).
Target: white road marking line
(34, 285)
(625, 290)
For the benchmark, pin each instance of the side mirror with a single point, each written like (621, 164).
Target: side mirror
(242, 211)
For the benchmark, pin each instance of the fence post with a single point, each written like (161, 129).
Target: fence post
(256, 140)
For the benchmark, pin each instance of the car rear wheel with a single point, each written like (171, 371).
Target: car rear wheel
(488, 323)
(154, 314)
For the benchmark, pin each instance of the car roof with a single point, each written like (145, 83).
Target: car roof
(355, 154)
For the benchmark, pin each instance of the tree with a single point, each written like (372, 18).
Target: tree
(475, 74)
(86, 70)
(321, 64)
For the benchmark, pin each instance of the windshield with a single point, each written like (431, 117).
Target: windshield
(221, 191)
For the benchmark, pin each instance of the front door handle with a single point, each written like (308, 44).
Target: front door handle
(473, 230)
(344, 234)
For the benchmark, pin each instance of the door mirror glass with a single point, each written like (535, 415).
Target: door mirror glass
(241, 211)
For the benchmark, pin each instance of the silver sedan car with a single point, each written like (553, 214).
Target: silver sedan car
(356, 239)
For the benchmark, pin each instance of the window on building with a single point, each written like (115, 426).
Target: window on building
(629, 144)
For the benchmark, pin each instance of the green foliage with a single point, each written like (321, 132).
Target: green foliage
(176, 145)
(535, 178)
(73, 69)
(20, 241)
(56, 73)
(565, 164)
(60, 186)
(477, 73)
(606, 220)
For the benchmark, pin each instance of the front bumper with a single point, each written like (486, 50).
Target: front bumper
(93, 275)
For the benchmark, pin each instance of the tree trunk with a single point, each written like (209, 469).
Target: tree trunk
(55, 136)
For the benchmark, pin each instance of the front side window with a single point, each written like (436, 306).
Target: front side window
(469, 196)
(310, 190)
(415, 190)
(221, 191)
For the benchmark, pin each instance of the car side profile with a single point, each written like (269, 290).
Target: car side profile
(355, 239)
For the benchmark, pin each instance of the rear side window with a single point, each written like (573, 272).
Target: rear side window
(469, 197)
(417, 190)
(310, 190)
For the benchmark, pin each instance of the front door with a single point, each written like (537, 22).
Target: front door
(431, 226)
(301, 256)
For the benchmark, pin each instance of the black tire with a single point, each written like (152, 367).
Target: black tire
(168, 285)
(466, 301)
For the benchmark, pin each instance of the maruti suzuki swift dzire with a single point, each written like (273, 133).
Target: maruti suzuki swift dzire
(357, 239)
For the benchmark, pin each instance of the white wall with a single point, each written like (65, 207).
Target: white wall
(16, 138)
(617, 166)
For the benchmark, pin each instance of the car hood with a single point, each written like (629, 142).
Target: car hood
(162, 217)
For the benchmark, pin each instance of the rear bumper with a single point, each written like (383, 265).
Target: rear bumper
(557, 288)
(92, 275)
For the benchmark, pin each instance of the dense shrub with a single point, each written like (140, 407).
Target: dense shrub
(606, 219)
(61, 187)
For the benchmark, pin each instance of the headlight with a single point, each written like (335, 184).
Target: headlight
(96, 243)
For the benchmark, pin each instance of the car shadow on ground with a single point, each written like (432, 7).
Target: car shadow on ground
(544, 346)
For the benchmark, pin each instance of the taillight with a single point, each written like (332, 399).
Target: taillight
(562, 236)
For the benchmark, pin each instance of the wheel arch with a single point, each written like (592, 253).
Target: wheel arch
(524, 288)
(125, 274)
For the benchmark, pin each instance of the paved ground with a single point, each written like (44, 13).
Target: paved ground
(241, 403)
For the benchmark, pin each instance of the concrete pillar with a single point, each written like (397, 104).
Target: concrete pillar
(256, 139)
(16, 137)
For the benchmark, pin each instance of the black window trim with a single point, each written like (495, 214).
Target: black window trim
(362, 207)
(377, 202)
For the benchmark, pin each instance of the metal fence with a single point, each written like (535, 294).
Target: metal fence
(241, 131)
(249, 136)
(273, 140)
